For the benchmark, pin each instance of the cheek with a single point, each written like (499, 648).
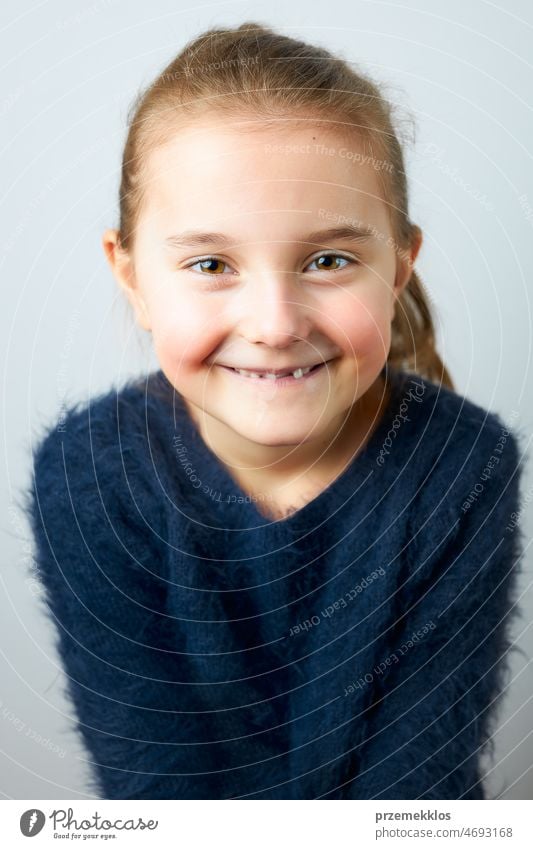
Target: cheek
(186, 332)
(363, 326)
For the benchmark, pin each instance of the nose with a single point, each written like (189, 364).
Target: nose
(275, 313)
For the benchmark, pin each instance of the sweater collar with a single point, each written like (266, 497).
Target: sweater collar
(227, 505)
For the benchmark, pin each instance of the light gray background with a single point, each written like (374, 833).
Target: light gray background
(70, 71)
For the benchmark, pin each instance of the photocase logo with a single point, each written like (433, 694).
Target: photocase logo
(32, 822)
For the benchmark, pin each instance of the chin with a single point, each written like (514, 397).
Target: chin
(278, 436)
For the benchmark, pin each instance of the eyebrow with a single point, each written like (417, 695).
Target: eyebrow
(195, 238)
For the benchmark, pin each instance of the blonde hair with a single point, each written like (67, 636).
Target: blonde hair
(255, 71)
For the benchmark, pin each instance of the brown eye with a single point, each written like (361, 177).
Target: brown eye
(211, 265)
(329, 262)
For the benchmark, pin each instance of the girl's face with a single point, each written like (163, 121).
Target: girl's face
(265, 251)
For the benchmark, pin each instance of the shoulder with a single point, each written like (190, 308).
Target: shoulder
(93, 502)
(447, 423)
(84, 432)
(457, 448)
(119, 420)
(462, 499)
(96, 451)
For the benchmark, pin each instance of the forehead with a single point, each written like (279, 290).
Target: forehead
(226, 168)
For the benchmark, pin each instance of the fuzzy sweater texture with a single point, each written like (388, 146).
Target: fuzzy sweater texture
(358, 649)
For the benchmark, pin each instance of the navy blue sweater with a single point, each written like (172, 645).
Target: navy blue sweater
(354, 650)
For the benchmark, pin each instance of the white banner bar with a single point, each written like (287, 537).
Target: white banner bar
(256, 824)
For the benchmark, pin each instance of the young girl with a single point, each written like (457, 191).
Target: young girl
(284, 564)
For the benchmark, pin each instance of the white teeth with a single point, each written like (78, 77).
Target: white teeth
(299, 372)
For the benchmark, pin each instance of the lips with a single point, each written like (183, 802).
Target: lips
(280, 379)
(295, 371)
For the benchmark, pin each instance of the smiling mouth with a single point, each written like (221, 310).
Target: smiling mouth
(285, 378)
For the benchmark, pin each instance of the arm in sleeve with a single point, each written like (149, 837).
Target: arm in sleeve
(100, 562)
(432, 709)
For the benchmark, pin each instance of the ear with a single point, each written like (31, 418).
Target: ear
(122, 267)
(405, 262)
